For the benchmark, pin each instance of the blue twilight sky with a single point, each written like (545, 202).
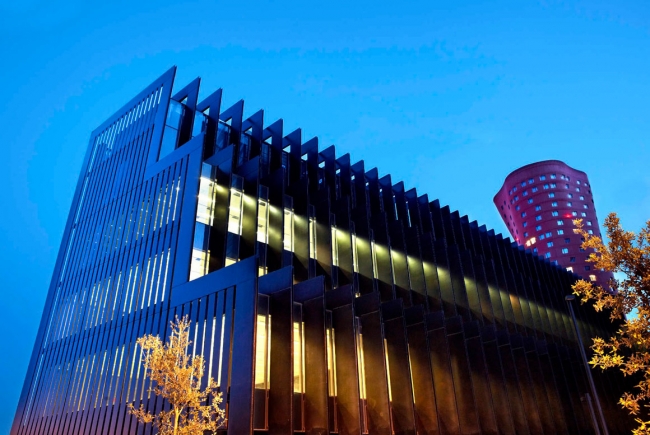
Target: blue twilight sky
(447, 96)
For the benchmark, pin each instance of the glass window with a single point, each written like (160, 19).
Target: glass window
(554, 204)
(530, 181)
(542, 177)
(335, 248)
(523, 214)
(538, 218)
(312, 237)
(574, 213)
(547, 255)
(560, 232)
(566, 186)
(262, 221)
(570, 269)
(587, 268)
(516, 197)
(538, 207)
(534, 250)
(534, 189)
(577, 181)
(525, 224)
(525, 234)
(567, 240)
(589, 223)
(549, 244)
(517, 208)
(583, 214)
(551, 195)
(553, 176)
(590, 231)
(525, 193)
(553, 185)
(523, 184)
(549, 234)
(577, 189)
(569, 195)
(288, 230)
(582, 198)
(585, 206)
(542, 236)
(569, 204)
(538, 227)
(572, 259)
(592, 277)
(545, 186)
(554, 213)
(560, 222)
(565, 250)
(234, 211)
(530, 200)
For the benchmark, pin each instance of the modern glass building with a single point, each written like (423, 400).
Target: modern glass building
(538, 203)
(325, 298)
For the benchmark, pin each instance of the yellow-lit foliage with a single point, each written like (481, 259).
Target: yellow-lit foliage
(628, 302)
(176, 377)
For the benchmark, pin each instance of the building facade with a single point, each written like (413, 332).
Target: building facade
(325, 298)
(539, 202)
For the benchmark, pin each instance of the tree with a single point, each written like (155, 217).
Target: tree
(176, 377)
(628, 302)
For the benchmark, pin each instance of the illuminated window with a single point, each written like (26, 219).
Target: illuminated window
(547, 255)
(554, 204)
(565, 250)
(553, 185)
(569, 195)
(525, 224)
(538, 218)
(545, 186)
(560, 232)
(585, 206)
(373, 248)
(592, 277)
(288, 230)
(523, 214)
(262, 355)
(542, 177)
(234, 212)
(588, 223)
(583, 214)
(570, 269)
(569, 204)
(299, 357)
(582, 198)
(549, 244)
(538, 207)
(534, 189)
(262, 221)
(554, 213)
(560, 222)
(590, 231)
(335, 248)
(530, 181)
(538, 228)
(361, 369)
(530, 200)
(523, 184)
(574, 213)
(553, 176)
(525, 193)
(200, 262)
(551, 195)
(312, 238)
(355, 259)
(205, 207)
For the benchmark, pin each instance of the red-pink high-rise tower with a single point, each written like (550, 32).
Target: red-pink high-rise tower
(538, 203)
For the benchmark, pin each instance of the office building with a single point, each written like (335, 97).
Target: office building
(325, 297)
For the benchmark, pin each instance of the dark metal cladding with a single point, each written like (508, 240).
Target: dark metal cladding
(324, 298)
